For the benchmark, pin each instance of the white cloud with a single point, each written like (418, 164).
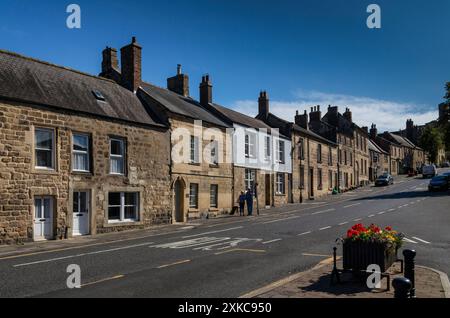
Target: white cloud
(387, 115)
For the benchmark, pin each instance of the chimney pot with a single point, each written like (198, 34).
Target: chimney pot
(179, 83)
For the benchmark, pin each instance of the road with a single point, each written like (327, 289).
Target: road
(232, 256)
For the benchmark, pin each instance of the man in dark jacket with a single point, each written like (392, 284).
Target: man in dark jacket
(249, 199)
(241, 200)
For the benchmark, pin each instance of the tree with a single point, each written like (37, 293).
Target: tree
(447, 95)
(432, 140)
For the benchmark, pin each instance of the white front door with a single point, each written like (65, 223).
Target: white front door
(43, 218)
(80, 213)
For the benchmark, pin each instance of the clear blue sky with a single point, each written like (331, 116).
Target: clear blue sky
(282, 46)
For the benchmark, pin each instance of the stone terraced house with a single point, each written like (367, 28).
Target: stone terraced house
(260, 153)
(314, 160)
(79, 154)
(200, 168)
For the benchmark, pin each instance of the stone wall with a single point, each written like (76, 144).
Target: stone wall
(204, 174)
(147, 166)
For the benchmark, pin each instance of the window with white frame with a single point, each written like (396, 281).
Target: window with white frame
(123, 207)
(281, 156)
(193, 196)
(80, 152)
(250, 145)
(213, 196)
(249, 179)
(280, 183)
(44, 148)
(195, 151)
(117, 156)
(267, 146)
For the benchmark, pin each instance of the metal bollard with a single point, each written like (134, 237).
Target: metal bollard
(402, 287)
(410, 270)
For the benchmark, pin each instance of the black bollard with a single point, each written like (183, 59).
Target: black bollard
(410, 270)
(402, 287)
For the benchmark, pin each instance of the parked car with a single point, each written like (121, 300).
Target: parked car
(446, 165)
(429, 171)
(439, 183)
(384, 180)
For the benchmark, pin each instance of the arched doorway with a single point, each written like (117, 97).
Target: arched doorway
(179, 189)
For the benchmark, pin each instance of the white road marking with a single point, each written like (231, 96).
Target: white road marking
(192, 243)
(391, 210)
(322, 212)
(281, 220)
(419, 239)
(351, 205)
(212, 232)
(306, 233)
(273, 241)
(381, 213)
(83, 254)
(357, 220)
(343, 223)
(371, 216)
(325, 228)
(409, 241)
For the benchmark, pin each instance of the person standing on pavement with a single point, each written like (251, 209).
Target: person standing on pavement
(249, 199)
(241, 200)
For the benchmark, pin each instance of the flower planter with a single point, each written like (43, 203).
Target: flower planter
(358, 255)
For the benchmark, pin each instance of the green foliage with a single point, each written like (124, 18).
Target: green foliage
(447, 90)
(432, 140)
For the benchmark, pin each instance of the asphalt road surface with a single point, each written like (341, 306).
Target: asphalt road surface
(233, 256)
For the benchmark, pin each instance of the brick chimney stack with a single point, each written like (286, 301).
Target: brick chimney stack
(179, 83)
(302, 120)
(110, 65)
(373, 132)
(205, 91)
(263, 105)
(348, 115)
(315, 115)
(131, 62)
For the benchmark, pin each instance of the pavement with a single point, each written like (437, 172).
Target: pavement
(316, 283)
(228, 257)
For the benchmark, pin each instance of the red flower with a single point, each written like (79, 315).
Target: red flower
(389, 229)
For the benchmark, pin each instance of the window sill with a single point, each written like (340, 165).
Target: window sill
(45, 171)
(82, 173)
(194, 164)
(280, 194)
(192, 210)
(214, 210)
(122, 223)
(214, 166)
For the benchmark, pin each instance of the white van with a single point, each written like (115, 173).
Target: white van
(429, 171)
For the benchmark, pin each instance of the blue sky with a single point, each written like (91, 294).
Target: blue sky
(302, 52)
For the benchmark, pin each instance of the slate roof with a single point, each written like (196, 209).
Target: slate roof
(374, 147)
(239, 118)
(28, 80)
(401, 140)
(295, 127)
(178, 104)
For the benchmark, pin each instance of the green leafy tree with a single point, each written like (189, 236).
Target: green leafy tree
(446, 126)
(432, 140)
(447, 95)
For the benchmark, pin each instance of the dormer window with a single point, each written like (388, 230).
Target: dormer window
(98, 95)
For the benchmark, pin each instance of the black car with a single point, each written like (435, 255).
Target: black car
(439, 183)
(384, 180)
